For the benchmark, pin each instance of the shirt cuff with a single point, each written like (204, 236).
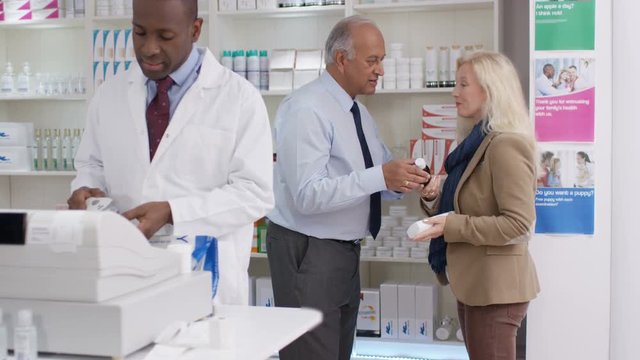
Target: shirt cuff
(372, 180)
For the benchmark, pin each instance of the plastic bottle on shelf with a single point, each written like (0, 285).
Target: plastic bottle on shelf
(226, 60)
(25, 337)
(37, 150)
(3, 338)
(23, 85)
(443, 332)
(67, 154)
(56, 150)
(75, 142)
(47, 154)
(264, 70)
(7, 83)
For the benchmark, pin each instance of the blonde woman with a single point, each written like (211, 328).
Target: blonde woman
(480, 245)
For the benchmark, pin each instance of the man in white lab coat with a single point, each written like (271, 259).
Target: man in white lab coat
(181, 143)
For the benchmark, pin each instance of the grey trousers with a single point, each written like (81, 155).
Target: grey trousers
(322, 274)
(490, 331)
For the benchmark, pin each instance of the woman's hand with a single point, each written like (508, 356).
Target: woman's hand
(432, 190)
(436, 230)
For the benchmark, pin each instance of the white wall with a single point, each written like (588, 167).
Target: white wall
(625, 267)
(571, 317)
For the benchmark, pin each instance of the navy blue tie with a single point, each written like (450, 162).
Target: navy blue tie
(375, 202)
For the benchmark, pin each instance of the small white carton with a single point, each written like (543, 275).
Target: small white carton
(368, 323)
(389, 310)
(264, 292)
(406, 311)
(426, 307)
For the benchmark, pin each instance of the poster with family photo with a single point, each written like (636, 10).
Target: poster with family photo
(566, 189)
(564, 102)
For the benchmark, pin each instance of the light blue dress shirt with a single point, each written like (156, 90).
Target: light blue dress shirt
(183, 78)
(321, 185)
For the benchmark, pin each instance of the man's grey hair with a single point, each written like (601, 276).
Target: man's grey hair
(340, 40)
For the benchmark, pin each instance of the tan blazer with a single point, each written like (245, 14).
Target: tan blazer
(488, 260)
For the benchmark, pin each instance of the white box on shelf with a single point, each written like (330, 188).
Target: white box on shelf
(368, 322)
(98, 45)
(252, 290)
(267, 4)
(16, 134)
(389, 310)
(426, 307)
(280, 79)
(406, 311)
(15, 158)
(308, 59)
(303, 77)
(43, 4)
(119, 47)
(109, 45)
(43, 14)
(130, 51)
(264, 292)
(282, 59)
(16, 5)
(227, 5)
(17, 15)
(246, 4)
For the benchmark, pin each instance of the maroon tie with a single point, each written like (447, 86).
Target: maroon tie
(158, 114)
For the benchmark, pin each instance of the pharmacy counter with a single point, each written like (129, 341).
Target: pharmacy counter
(260, 331)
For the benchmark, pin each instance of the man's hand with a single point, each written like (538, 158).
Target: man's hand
(78, 199)
(404, 176)
(151, 216)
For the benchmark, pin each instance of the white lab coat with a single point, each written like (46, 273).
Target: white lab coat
(213, 165)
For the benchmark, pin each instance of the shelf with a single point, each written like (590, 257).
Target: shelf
(128, 18)
(17, 97)
(367, 259)
(378, 92)
(424, 5)
(37, 173)
(365, 347)
(300, 11)
(43, 24)
(415, 91)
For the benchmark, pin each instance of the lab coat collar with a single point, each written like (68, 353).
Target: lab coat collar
(211, 78)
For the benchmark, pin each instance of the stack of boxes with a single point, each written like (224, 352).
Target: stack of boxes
(112, 53)
(21, 10)
(407, 311)
(16, 142)
(438, 138)
(291, 69)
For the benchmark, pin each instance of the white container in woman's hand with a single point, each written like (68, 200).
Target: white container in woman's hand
(420, 226)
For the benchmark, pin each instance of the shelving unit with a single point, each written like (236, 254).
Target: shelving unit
(64, 46)
(367, 259)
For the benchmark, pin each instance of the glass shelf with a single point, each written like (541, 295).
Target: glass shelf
(37, 173)
(367, 259)
(425, 5)
(300, 11)
(44, 24)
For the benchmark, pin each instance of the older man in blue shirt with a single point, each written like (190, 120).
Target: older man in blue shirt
(332, 170)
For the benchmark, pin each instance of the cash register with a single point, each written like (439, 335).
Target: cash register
(93, 282)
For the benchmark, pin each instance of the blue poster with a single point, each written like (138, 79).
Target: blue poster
(565, 210)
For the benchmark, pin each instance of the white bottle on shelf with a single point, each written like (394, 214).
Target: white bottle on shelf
(23, 85)
(3, 338)
(37, 151)
(47, 153)
(25, 337)
(67, 154)
(75, 142)
(7, 83)
(56, 147)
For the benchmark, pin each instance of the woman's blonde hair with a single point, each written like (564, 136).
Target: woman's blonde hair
(505, 108)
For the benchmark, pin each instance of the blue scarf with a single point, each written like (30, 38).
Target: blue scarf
(455, 166)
